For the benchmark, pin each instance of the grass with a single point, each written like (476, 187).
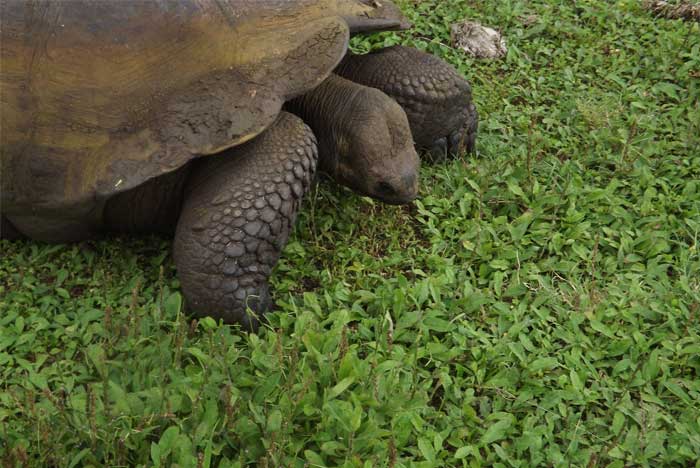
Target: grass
(539, 306)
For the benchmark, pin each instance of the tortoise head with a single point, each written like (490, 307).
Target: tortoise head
(376, 155)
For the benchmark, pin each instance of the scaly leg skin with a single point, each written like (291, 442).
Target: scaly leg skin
(436, 98)
(239, 209)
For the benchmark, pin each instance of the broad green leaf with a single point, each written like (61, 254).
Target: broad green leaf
(340, 387)
(618, 422)
(497, 431)
(426, 449)
(167, 440)
(541, 364)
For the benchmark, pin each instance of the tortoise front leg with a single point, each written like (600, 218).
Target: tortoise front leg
(239, 209)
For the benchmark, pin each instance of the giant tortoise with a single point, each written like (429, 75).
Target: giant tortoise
(167, 116)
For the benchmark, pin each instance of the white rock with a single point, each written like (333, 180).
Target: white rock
(477, 40)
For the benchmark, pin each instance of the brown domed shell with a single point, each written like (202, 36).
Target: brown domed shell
(98, 97)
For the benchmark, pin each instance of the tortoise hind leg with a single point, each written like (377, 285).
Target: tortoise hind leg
(436, 98)
(239, 209)
(8, 230)
(152, 207)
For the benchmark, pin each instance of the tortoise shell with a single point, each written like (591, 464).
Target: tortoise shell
(99, 97)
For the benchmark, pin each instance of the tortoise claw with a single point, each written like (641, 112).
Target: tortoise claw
(454, 145)
(439, 150)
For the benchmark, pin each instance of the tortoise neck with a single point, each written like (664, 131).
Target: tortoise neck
(327, 110)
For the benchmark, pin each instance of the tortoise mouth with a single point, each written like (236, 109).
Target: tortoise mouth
(400, 191)
(392, 191)
(398, 200)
